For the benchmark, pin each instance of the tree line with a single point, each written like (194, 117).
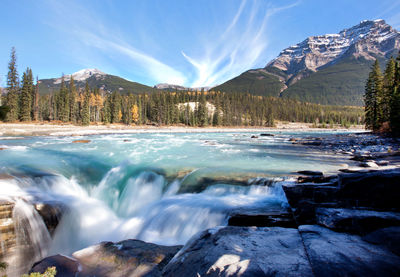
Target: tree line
(190, 108)
(382, 98)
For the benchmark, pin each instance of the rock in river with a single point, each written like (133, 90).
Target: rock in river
(242, 251)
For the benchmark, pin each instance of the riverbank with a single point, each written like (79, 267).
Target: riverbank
(50, 129)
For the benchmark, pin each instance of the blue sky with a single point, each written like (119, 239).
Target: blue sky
(186, 42)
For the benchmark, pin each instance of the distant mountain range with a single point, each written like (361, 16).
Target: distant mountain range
(95, 79)
(327, 69)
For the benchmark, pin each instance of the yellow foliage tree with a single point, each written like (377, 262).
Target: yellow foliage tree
(135, 113)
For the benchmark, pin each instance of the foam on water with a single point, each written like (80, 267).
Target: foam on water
(127, 186)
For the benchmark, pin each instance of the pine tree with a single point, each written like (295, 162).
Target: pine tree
(12, 99)
(395, 101)
(63, 102)
(387, 91)
(35, 102)
(107, 110)
(373, 90)
(73, 102)
(26, 96)
(86, 106)
(202, 112)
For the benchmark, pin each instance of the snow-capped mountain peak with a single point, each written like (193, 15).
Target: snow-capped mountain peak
(363, 40)
(82, 75)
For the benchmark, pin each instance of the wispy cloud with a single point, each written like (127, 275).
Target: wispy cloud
(238, 48)
(235, 49)
(87, 28)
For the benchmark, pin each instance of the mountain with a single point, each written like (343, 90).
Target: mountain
(95, 79)
(172, 87)
(327, 69)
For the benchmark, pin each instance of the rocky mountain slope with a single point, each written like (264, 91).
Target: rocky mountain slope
(172, 87)
(326, 69)
(96, 79)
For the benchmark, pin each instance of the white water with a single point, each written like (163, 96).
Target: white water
(116, 190)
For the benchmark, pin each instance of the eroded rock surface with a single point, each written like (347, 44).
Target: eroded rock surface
(131, 258)
(242, 251)
(340, 254)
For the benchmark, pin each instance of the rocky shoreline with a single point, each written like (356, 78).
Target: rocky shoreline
(344, 224)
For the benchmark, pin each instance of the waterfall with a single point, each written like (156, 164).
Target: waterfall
(32, 238)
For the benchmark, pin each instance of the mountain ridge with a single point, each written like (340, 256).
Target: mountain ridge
(357, 45)
(96, 79)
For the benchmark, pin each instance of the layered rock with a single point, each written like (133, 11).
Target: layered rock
(339, 254)
(132, 258)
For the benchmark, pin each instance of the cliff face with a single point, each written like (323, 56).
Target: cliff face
(325, 69)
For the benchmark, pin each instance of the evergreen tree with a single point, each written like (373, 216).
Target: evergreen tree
(202, 112)
(73, 101)
(35, 102)
(26, 96)
(12, 99)
(107, 110)
(63, 102)
(387, 91)
(373, 90)
(86, 106)
(395, 101)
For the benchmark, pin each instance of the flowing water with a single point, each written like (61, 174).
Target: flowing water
(157, 187)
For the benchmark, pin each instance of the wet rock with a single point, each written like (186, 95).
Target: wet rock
(241, 251)
(270, 218)
(318, 193)
(388, 237)
(310, 173)
(254, 136)
(81, 141)
(339, 254)
(356, 221)
(51, 212)
(317, 179)
(65, 266)
(375, 190)
(125, 258)
(361, 158)
(369, 164)
(267, 135)
(382, 163)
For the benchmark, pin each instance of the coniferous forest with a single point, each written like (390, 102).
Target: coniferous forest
(382, 98)
(22, 102)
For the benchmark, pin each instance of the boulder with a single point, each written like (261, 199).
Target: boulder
(368, 164)
(65, 266)
(339, 254)
(310, 173)
(263, 218)
(132, 258)
(51, 212)
(388, 237)
(241, 251)
(355, 220)
(317, 179)
(376, 190)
